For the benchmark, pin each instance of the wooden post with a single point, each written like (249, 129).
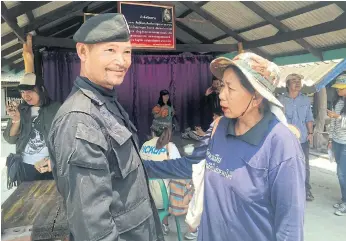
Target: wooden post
(28, 55)
(38, 66)
(240, 48)
(320, 108)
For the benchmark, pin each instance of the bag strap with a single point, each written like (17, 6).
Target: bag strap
(167, 148)
(216, 123)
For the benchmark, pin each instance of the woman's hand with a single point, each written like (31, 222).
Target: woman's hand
(43, 166)
(330, 145)
(332, 114)
(209, 91)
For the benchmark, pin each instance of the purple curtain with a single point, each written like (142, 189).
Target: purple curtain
(186, 77)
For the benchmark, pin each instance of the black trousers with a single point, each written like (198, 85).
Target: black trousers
(306, 147)
(31, 174)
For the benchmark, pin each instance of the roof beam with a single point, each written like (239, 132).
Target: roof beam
(282, 17)
(191, 32)
(69, 43)
(342, 5)
(282, 27)
(25, 6)
(220, 25)
(301, 52)
(11, 49)
(13, 58)
(68, 10)
(337, 24)
(11, 23)
(188, 12)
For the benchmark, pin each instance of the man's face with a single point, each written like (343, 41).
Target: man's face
(294, 84)
(216, 85)
(106, 63)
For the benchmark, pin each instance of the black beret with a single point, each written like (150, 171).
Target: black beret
(108, 27)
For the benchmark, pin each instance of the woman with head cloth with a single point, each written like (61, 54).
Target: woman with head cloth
(254, 174)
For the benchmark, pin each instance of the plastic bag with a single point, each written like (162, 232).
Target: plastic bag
(331, 156)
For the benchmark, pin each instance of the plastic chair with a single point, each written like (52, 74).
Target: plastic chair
(164, 212)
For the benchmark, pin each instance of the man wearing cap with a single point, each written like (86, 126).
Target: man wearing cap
(94, 147)
(298, 112)
(28, 129)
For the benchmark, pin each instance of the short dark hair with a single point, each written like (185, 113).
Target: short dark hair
(214, 79)
(45, 100)
(264, 107)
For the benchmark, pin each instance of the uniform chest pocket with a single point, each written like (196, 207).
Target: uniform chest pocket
(127, 159)
(302, 112)
(88, 155)
(250, 183)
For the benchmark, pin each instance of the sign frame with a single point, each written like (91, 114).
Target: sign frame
(119, 3)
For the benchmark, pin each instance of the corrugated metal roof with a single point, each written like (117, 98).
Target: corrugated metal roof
(313, 72)
(179, 8)
(276, 8)
(258, 33)
(9, 44)
(22, 20)
(49, 7)
(285, 47)
(202, 26)
(328, 39)
(312, 18)
(185, 37)
(228, 40)
(11, 4)
(5, 29)
(234, 14)
(13, 53)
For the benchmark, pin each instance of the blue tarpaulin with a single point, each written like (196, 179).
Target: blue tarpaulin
(331, 75)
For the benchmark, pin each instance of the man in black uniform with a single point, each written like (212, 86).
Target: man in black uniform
(94, 147)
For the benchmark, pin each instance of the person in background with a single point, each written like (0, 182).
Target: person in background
(29, 125)
(337, 139)
(298, 112)
(160, 148)
(198, 133)
(163, 112)
(211, 101)
(254, 173)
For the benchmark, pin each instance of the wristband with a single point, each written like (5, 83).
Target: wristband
(15, 122)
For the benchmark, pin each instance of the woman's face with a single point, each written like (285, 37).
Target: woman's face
(341, 92)
(165, 98)
(234, 98)
(31, 97)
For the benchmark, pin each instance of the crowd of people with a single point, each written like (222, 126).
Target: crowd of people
(247, 179)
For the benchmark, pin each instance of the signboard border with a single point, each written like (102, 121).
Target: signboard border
(153, 5)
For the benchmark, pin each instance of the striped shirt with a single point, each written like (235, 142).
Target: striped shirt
(338, 126)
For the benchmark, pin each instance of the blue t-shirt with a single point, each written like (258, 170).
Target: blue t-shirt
(254, 183)
(298, 112)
